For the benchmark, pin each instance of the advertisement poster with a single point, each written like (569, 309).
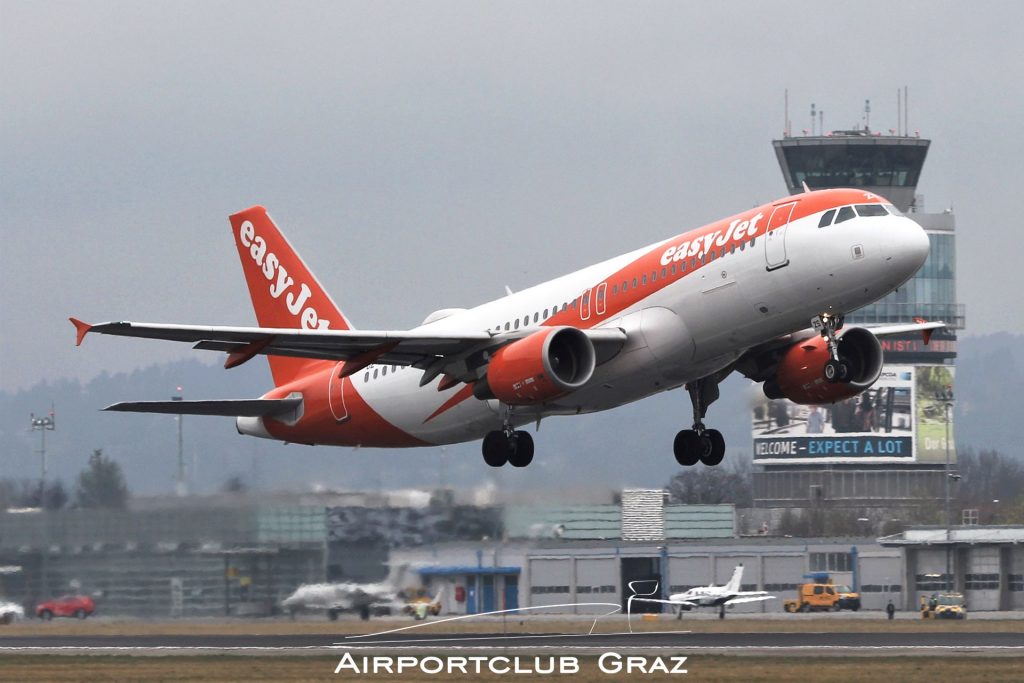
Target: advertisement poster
(877, 425)
(932, 383)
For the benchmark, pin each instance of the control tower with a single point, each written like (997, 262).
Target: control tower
(887, 448)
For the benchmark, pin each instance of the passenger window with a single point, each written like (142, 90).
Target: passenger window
(625, 287)
(574, 303)
(545, 314)
(634, 283)
(526, 320)
(871, 210)
(826, 218)
(384, 371)
(506, 327)
(536, 317)
(366, 376)
(643, 280)
(517, 323)
(753, 241)
(615, 290)
(375, 373)
(673, 269)
(664, 273)
(845, 214)
(654, 276)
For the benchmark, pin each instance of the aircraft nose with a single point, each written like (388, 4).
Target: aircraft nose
(910, 245)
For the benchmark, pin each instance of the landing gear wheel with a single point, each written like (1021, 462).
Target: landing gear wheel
(496, 448)
(837, 371)
(713, 447)
(521, 452)
(687, 448)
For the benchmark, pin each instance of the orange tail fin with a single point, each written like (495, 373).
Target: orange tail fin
(285, 294)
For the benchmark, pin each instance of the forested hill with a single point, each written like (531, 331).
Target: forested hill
(629, 446)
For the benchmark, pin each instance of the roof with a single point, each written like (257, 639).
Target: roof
(968, 535)
(604, 522)
(466, 569)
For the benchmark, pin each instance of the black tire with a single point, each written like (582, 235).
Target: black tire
(831, 371)
(713, 450)
(687, 448)
(522, 454)
(495, 448)
(80, 614)
(46, 615)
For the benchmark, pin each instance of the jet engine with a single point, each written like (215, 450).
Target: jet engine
(801, 378)
(545, 365)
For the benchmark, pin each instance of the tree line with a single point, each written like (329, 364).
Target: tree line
(100, 484)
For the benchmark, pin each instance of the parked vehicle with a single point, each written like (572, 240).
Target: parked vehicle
(9, 611)
(820, 594)
(77, 606)
(943, 606)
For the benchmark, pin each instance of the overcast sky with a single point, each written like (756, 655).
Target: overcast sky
(424, 155)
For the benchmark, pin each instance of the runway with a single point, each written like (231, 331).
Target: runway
(837, 642)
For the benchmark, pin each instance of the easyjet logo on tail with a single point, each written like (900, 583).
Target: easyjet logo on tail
(281, 283)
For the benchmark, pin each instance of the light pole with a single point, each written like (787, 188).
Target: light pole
(946, 396)
(43, 425)
(180, 487)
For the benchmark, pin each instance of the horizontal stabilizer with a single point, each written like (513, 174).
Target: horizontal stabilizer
(257, 407)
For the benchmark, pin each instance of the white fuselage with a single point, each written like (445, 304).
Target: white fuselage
(694, 326)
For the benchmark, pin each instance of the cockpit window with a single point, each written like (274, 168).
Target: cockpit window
(826, 218)
(845, 214)
(893, 210)
(871, 210)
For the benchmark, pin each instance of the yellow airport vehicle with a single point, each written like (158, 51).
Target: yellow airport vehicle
(820, 594)
(948, 605)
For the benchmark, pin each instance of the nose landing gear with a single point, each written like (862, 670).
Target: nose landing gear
(836, 369)
(700, 444)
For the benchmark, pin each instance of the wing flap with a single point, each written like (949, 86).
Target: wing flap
(259, 407)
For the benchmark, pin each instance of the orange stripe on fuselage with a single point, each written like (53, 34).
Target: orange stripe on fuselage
(364, 426)
(718, 236)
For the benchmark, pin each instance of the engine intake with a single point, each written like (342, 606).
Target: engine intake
(800, 376)
(543, 366)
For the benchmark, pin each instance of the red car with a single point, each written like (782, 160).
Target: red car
(78, 606)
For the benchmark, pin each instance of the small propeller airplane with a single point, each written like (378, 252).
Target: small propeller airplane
(710, 596)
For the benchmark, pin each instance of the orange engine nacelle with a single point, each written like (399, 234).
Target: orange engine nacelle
(545, 365)
(800, 376)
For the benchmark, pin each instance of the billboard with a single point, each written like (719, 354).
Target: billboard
(897, 420)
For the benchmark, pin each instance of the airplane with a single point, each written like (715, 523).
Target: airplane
(711, 596)
(365, 598)
(763, 293)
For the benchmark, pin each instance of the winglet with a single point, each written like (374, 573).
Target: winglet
(925, 334)
(81, 328)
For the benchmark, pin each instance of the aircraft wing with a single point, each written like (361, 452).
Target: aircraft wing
(749, 598)
(677, 603)
(431, 351)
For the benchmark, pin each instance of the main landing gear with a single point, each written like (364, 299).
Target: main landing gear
(700, 444)
(508, 445)
(836, 368)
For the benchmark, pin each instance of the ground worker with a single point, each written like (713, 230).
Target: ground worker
(890, 609)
